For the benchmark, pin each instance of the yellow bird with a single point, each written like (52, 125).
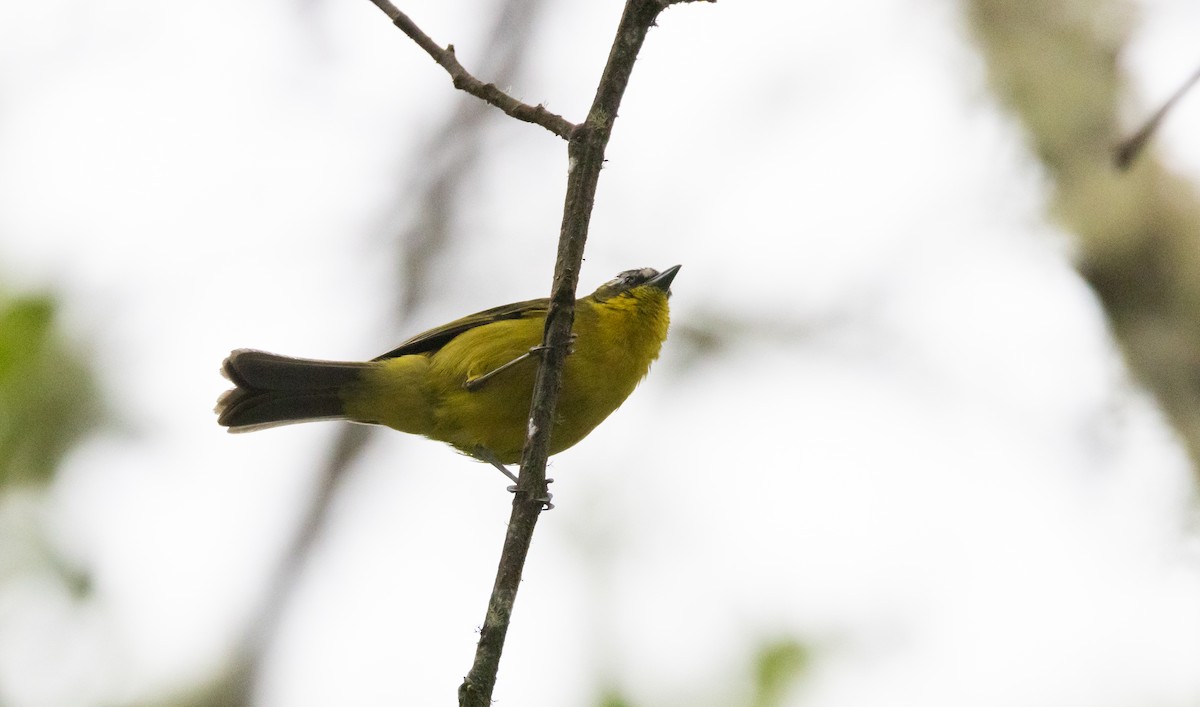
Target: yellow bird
(469, 383)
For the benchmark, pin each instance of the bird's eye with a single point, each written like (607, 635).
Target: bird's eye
(629, 279)
(637, 277)
(622, 279)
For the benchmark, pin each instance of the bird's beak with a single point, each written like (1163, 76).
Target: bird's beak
(663, 280)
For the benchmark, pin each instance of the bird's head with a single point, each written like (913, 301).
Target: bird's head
(630, 280)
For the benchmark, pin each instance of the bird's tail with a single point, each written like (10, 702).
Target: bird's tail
(274, 390)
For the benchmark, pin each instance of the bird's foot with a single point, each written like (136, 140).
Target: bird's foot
(542, 348)
(547, 501)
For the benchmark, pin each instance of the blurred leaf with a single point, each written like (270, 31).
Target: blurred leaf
(779, 665)
(612, 699)
(48, 397)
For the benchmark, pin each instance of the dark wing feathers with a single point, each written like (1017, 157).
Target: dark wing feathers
(438, 337)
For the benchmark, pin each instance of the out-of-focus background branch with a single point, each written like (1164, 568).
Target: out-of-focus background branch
(1056, 64)
(427, 203)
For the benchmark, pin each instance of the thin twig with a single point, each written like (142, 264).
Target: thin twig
(465, 81)
(1131, 147)
(452, 155)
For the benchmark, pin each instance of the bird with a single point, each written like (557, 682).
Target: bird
(469, 383)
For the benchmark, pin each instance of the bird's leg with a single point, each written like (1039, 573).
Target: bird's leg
(485, 454)
(474, 384)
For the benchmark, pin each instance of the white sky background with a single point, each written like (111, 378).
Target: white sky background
(941, 474)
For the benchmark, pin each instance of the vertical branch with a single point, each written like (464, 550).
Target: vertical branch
(585, 152)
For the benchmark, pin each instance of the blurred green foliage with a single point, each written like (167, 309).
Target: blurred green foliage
(48, 396)
(777, 667)
(613, 700)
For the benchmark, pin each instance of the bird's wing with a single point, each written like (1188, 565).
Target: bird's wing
(438, 337)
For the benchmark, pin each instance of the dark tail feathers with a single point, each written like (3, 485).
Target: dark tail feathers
(277, 390)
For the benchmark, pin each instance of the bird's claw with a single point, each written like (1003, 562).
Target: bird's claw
(546, 502)
(541, 348)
